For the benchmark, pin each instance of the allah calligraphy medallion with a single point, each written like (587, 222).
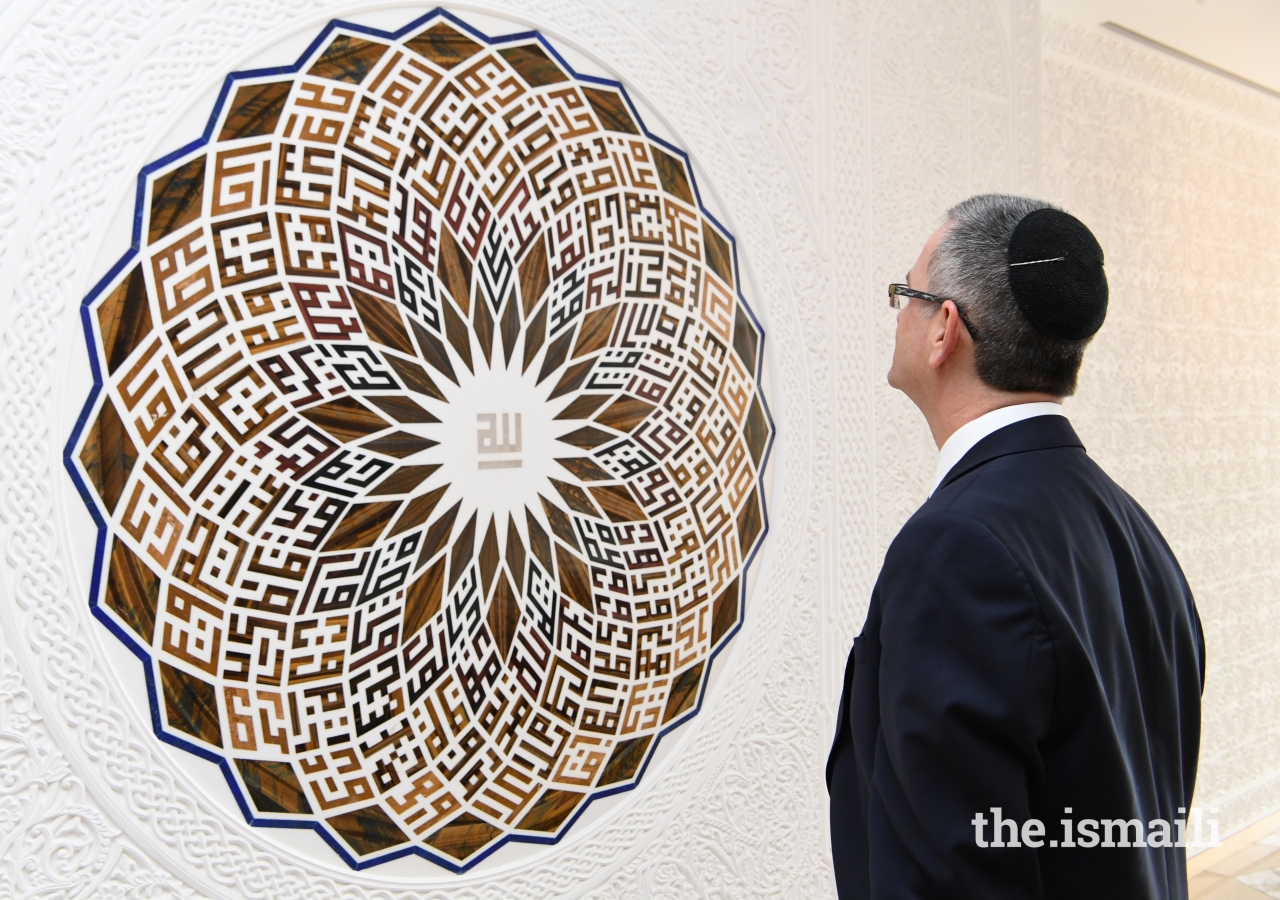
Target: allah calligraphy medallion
(426, 442)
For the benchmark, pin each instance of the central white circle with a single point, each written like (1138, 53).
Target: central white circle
(497, 435)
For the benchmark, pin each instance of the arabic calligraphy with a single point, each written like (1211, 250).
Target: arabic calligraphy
(487, 440)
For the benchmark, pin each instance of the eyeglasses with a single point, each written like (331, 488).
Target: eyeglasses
(900, 295)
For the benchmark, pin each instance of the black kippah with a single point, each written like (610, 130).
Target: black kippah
(1055, 271)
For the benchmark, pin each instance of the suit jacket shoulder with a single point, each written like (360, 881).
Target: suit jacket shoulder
(1028, 618)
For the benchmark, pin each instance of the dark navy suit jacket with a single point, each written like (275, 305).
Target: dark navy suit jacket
(1031, 645)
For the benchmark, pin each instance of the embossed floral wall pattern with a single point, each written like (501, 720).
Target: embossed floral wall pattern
(429, 450)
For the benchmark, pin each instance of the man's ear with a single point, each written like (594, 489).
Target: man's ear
(947, 334)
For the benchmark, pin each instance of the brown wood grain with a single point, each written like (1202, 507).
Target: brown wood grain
(560, 523)
(750, 524)
(557, 353)
(463, 836)
(400, 444)
(176, 199)
(725, 612)
(273, 786)
(535, 277)
(550, 810)
(132, 591)
(348, 59)
(191, 705)
(597, 326)
(368, 830)
(484, 330)
(255, 110)
(443, 45)
(463, 549)
(625, 760)
(611, 110)
(756, 431)
(124, 319)
(672, 175)
(459, 335)
(434, 352)
(617, 503)
(575, 580)
(437, 536)
(684, 691)
(415, 377)
(585, 469)
(716, 249)
(454, 269)
(504, 616)
(417, 511)
(403, 409)
(533, 64)
(515, 553)
(422, 599)
(346, 418)
(583, 406)
(381, 321)
(489, 556)
(510, 328)
(587, 438)
(539, 542)
(362, 525)
(576, 497)
(625, 413)
(535, 334)
(572, 379)
(404, 479)
(109, 455)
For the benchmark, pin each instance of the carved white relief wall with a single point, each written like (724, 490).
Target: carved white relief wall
(157, 820)
(828, 137)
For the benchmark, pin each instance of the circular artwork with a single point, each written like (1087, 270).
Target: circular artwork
(426, 442)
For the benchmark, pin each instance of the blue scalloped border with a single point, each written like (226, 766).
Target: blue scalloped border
(224, 761)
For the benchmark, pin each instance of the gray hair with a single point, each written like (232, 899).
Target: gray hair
(970, 267)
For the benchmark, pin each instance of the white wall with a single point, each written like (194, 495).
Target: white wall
(1238, 36)
(831, 135)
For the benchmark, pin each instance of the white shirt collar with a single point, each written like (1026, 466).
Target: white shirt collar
(967, 435)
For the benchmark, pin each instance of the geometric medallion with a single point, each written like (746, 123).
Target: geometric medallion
(426, 442)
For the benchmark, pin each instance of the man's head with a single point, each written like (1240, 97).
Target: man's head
(1028, 278)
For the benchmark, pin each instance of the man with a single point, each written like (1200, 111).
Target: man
(1032, 653)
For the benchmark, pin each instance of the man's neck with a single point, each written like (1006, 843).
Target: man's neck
(951, 414)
